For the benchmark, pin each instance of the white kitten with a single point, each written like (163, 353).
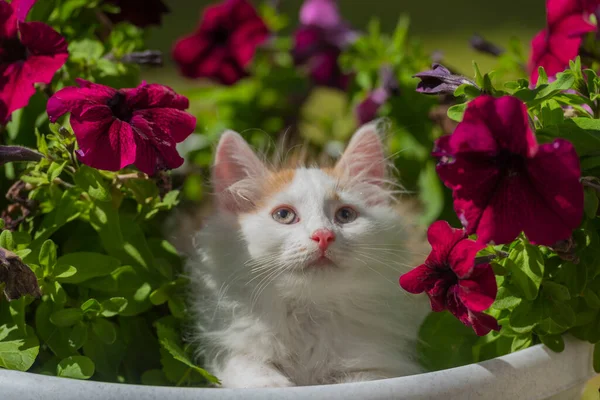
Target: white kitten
(296, 277)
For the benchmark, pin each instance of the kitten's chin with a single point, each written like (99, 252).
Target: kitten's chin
(320, 263)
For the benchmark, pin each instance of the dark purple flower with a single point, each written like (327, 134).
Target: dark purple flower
(117, 128)
(503, 182)
(452, 279)
(139, 12)
(30, 52)
(367, 110)
(439, 80)
(224, 44)
(18, 153)
(482, 45)
(319, 41)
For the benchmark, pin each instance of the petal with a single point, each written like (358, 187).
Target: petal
(110, 149)
(501, 120)
(555, 174)
(230, 73)
(479, 292)
(482, 323)
(456, 307)
(246, 38)
(176, 123)
(442, 238)
(15, 88)
(322, 13)
(155, 148)
(462, 257)
(40, 39)
(438, 294)
(92, 122)
(73, 99)
(22, 8)
(8, 21)
(190, 51)
(418, 280)
(155, 96)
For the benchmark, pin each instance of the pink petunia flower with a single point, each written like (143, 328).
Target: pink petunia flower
(142, 13)
(559, 42)
(224, 44)
(452, 279)
(117, 128)
(503, 182)
(30, 52)
(319, 41)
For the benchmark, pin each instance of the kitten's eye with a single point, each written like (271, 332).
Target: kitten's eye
(285, 215)
(345, 215)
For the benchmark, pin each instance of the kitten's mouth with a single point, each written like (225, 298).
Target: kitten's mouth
(321, 262)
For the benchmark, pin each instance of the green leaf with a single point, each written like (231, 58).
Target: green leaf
(444, 342)
(78, 335)
(55, 337)
(56, 292)
(506, 299)
(456, 112)
(113, 306)
(155, 377)
(106, 357)
(91, 181)
(85, 50)
(562, 314)
(66, 317)
(6, 240)
(553, 342)
(87, 266)
(583, 133)
(430, 193)
(91, 306)
(48, 256)
(55, 170)
(597, 357)
(591, 299)
(17, 351)
(556, 291)
(590, 203)
(521, 342)
(76, 367)
(527, 268)
(526, 316)
(105, 330)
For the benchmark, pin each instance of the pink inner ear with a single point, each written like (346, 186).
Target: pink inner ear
(234, 162)
(364, 157)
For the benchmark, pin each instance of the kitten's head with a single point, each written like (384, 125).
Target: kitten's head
(309, 224)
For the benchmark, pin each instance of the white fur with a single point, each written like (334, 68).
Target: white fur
(265, 320)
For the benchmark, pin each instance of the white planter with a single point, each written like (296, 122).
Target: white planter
(533, 374)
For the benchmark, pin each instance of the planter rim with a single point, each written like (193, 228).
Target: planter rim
(535, 373)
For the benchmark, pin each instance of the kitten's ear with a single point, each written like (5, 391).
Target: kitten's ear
(364, 158)
(235, 162)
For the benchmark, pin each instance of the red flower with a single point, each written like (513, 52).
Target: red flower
(559, 43)
(224, 43)
(319, 41)
(117, 128)
(367, 110)
(139, 12)
(503, 181)
(30, 52)
(453, 281)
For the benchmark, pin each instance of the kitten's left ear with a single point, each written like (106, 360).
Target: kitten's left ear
(364, 158)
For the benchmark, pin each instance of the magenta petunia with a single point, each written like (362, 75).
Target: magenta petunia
(224, 44)
(319, 41)
(559, 42)
(117, 128)
(142, 13)
(452, 279)
(503, 182)
(30, 53)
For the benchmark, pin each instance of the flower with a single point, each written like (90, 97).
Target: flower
(117, 128)
(319, 41)
(439, 80)
(30, 52)
(559, 42)
(224, 44)
(142, 13)
(482, 45)
(367, 110)
(503, 182)
(452, 279)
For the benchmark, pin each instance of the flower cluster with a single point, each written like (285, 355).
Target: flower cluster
(503, 183)
(30, 52)
(568, 21)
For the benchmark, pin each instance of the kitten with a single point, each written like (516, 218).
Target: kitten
(295, 281)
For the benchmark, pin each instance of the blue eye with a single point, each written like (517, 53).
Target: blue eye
(345, 215)
(285, 215)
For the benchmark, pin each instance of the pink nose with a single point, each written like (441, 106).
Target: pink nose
(323, 237)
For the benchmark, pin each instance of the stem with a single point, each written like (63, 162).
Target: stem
(61, 182)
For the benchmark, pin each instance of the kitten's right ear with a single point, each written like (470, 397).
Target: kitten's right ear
(234, 168)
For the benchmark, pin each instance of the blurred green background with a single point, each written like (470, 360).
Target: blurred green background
(444, 25)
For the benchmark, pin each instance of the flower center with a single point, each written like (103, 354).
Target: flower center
(510, 163)
(220, 35)
(118, 106)
(12, 50)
